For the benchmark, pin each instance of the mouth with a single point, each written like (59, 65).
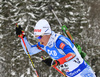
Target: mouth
(41, 43)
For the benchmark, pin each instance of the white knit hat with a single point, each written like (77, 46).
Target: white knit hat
(42, 27)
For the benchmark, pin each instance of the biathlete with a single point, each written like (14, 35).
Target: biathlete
(62, 51)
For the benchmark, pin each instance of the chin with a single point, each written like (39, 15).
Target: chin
(44, 44)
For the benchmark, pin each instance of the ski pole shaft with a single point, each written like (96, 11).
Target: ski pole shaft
(28, 54)
(29, 57)
(56, 68)
(51, 9)
(59, 71)
(63, 27)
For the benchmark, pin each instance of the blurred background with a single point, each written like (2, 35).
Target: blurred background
(82, 18)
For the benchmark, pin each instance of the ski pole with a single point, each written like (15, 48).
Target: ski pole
(63, 26)
(56, 68)
(29, 54)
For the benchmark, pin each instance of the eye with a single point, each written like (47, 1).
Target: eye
(39, 37)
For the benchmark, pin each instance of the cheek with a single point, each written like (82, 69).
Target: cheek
(40, 40)
(45, 40)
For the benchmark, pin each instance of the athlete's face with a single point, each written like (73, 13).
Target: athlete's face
(43, 39)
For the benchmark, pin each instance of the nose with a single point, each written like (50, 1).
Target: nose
(39, 40)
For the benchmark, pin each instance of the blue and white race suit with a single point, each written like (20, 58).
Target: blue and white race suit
(76, 67)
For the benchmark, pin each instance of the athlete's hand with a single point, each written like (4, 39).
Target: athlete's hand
(51, 62)
(55, 63)
(19, 31)
(48, 61)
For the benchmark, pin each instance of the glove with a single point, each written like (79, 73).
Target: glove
(48, 61)
(19, 31)
(55, 63)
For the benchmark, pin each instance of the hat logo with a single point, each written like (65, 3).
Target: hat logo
(47, 30)
(37, 30)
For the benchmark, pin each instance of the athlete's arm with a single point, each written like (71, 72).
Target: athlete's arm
(32, 49)
(70, 54)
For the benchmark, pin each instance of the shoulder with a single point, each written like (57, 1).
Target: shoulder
(62, 41)
(59, 42)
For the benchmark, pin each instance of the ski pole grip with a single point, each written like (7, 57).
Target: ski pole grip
(17, 25)
(50, 7)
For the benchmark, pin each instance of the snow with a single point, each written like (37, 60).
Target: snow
(2, 17)
(21, 21)
(22, 75)
(57, 3)
(32, 15)
(1, 36)
(66, 19)
(0, 0)
(89, 9)
(25, 0)
(1, 58)
(67, 6)
(13, 72)
(81, 27)
(28, 70)
(89, 25)
(83, 21)
(71, 13)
